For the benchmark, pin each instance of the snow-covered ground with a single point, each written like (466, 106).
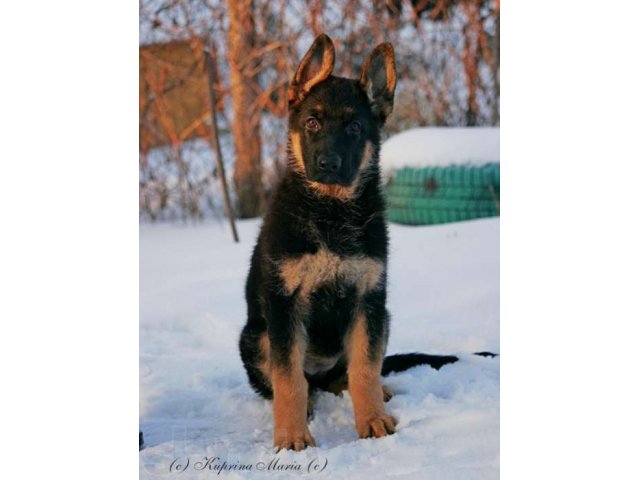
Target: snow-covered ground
(195, 402)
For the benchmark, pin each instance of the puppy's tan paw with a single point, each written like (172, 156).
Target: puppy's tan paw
(293, 439)
(377, 426)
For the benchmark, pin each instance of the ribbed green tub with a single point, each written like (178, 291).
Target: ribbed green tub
(429, 195)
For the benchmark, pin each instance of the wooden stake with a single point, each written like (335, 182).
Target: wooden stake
(495, 198)
(215, 140)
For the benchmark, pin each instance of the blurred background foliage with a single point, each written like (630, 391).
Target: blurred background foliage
(447, 55)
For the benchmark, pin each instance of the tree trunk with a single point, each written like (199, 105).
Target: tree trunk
(470, 59)
(495, 111)
(245, 125)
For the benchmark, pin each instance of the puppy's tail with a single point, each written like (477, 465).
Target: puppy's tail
(405, 361)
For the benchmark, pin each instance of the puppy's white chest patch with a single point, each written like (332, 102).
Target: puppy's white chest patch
(310, 271)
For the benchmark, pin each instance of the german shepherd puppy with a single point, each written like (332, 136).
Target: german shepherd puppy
(316, 290)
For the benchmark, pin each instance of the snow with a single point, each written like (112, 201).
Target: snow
(440, 146)
(195, 401)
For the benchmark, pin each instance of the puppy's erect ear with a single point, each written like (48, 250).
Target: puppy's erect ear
(315, 67)
(378, 79)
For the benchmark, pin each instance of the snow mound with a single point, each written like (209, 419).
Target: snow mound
(440, 146)
(196, 405)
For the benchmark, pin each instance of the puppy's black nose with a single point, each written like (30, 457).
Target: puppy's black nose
(329, 163)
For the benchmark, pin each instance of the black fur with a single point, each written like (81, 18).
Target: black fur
(405, 361)
(298, 221)
(338, 121)
(301, 220)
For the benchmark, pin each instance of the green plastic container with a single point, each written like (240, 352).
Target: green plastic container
(431, 195)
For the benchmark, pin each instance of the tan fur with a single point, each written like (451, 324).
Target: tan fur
(290, 403)
(265, 355)
(291, 95)
(365, 387)
(386, 50)
(310, 271)
(298, 89)
(296, 149)
(390, 70)
(291, 400)
(341, 384)
(326, 67)
(334, 190)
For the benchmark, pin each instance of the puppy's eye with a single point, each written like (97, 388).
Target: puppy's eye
(312, 124)
(354, 127)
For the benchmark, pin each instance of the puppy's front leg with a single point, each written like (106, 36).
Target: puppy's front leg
(290, 392)
(365, 353)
